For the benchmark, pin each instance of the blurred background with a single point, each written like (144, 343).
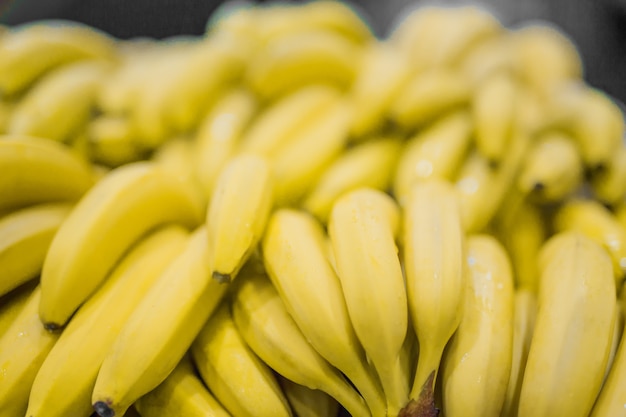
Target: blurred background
(597, 27)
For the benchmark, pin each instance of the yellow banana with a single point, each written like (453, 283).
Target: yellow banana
(268, 329)
(615, 340)
(38, 170)
(110, 141)
(160, 330)
(182, 393)
(435, 151)
(492, 55)
(115, 213)
(12, 303)
(362, 228)
(368, 164)
(31, 50)
(572, 336)
(241, 381)
(478, 361)
(307, 402)
(23, 348)
(434, 260)
(64, 382)
(25, 236)
(294, 250)
(609, 186)
(237, 214)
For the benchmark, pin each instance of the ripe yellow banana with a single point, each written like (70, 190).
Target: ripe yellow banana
(294, 251)
(182, 393)
(435, 151)
(492, 55)
(434, 259)
(38, 170)
(23, 348)
(160, 330)
(574, 324)
(110, 141)
(368, 164)
(237, 214)
(12, 303)
(65, 381)
(31, 50)
(609, 186)
(242, 382)
(115, 213)
(615, 339)
(307, 402)
(272, 334)
(478, 360)
(25, 236)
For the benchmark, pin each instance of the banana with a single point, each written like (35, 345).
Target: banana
(182, 393)
(615, 340)
(598, 223)
(525, 302)
(552, 170)
(160, 329)
(219, 134)
(23, 348)
(40, 171)
(237, 214)
(492, 55)
(64, 382)
(434, 258)
(428, 95)
(494, 114)
(25, 236)
(362, 228)
(383, 73)
(311, 57)
(609, 186)
(368, 164)
(61, 103)
(31, 50)
(241, 381)
(130, 201)
(435, 151)
(294, 251)
(12, 303)
(264, 323)
(476, 369)
(307, 402)
(572, 336)
(110, 141)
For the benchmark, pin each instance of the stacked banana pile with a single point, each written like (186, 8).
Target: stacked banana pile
(291, 217)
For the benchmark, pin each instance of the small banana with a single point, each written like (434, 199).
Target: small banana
(115, 213)
(609, 186)
(435, 151)
(478, 360)
(25, 236)
(64, 382)
(182, 393)
(294, 251)
(23, 348)
(572, 337)
(12, 303)
(268, 329)
(492, 55)
(160, 329)
(242, 382)
(237, 214)
(307, 402)
(367, 164)
(110, 141)
(36, 170)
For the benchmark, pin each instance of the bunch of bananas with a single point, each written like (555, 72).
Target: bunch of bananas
(289, 216)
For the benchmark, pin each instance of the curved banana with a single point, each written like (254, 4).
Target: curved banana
(268, 329)
(491, 55)
(25, 236)
(31, 50)
(124, 205)
(294, 251)
(573, 329)
(368, 164)
(23, 348)
(237, 214)
(38, 170)
(615, 340)
(12, 303)
(307, 402)
(609, 186)
(160, 329)
(241, 381)
(362, 229)
(64, 382)
(434, 259)
(435, 151)
(110, 141)
(182, 393)
(476, 369)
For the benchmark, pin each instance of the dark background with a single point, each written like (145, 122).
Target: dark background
(597, 27)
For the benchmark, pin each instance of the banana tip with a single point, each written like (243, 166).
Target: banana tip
(52, 327)
(221, 278)
(103, 409)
